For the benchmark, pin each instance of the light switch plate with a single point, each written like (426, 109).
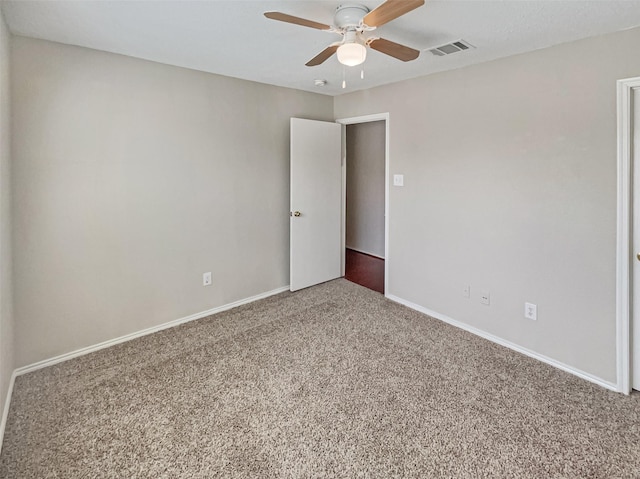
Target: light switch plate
(398, 180)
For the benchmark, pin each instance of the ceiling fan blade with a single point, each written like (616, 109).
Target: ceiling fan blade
(394, 49)
(390, 10)
(322, 56)
(283, 17)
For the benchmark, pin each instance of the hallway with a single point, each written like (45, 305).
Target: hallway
(365, 270)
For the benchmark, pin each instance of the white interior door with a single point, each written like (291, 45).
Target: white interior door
(635, 324)
(316, 187)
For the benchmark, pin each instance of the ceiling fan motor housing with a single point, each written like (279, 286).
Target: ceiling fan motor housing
(349, 15)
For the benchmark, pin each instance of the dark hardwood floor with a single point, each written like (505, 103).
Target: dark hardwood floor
(365, 270)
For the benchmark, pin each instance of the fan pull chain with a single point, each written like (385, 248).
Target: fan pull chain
(344, 77)
(362, 72)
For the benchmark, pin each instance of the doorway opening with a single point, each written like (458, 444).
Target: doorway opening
(364, 269)
(628, 237)
(365, 180)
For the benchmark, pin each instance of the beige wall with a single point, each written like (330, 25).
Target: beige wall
(6, 309)
(365, 187)
(510, 186)
(132, 179)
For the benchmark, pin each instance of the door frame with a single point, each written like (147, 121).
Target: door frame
(352, 121)
(627, 89)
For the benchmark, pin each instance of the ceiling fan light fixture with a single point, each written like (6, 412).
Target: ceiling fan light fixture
(353, 22)
(352, 54)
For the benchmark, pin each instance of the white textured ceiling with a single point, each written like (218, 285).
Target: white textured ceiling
(233, 38)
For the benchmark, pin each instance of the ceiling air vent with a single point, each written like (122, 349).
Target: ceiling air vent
(450, 48)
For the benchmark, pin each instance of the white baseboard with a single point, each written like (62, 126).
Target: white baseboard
(128, 337)
(193, 317)
(508, 344)
(5, 411)
(364, 252)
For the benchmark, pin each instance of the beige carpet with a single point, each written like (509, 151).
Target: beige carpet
(333, 381)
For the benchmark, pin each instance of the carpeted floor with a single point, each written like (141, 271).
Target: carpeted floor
(332, 381)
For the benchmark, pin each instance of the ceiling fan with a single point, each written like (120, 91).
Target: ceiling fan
(353, 22)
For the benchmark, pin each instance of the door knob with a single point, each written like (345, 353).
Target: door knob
(638, 256)
(297, 213)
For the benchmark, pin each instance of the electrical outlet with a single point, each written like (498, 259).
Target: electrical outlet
(466, 291)
(531, 311)
(206, 279)
(485, 297)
